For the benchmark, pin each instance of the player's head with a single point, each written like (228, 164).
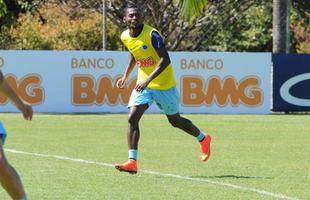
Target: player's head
(132, 16)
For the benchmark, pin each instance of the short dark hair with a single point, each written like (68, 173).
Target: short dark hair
(129, 5)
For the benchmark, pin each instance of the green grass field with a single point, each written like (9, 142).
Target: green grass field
(70, 157)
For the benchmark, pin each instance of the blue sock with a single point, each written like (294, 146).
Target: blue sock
(24, 198)
(200, 137)
(133, 154)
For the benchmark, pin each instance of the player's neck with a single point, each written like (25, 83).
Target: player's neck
(135, 32)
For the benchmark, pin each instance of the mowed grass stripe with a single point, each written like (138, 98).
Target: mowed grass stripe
(236, 187)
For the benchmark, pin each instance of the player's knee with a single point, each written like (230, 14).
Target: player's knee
(132, 121)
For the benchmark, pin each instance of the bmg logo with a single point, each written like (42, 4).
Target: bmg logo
(28, 87)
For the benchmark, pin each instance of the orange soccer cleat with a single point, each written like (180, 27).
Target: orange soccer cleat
(205, 147)
(131, 166)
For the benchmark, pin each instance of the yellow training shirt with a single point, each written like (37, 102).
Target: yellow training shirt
(146, 57)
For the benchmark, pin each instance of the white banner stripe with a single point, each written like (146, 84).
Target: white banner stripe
(236, 187)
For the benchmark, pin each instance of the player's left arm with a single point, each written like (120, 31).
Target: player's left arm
(161, 66)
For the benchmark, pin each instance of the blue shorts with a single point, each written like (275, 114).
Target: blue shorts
(2, 133)
(167, 100)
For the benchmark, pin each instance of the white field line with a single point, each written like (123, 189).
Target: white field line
(228, 185)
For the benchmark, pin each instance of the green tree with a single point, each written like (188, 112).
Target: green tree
(16, 7)
(246, 26)
(302, 9)
(192, 8)
(215, 25)
(300, 26)
(6, 16)
(58, 28)
(10, 10)
(3, 9)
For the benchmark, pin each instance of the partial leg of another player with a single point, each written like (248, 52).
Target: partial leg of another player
(9, 178)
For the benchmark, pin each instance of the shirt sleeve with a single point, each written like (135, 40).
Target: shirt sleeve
(157, 41)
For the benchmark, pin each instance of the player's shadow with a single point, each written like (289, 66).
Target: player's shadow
(231, 177)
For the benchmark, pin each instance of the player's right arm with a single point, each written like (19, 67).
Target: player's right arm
(24, 107)
(131, 64)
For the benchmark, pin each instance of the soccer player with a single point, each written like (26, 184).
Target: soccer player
(155, 82)
(9, 178)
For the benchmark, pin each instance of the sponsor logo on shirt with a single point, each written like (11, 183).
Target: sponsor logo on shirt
(144, 47)
(146, 62)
